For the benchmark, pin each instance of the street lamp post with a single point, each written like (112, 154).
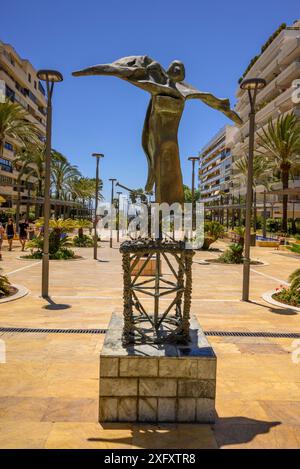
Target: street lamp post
(50, 77)
(118, 217)
(97, 156)
(251, 85)
(193, 159)
(111, 211)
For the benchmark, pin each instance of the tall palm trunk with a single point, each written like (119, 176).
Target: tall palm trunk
(285, 185)
(254, 211)
(265, 215)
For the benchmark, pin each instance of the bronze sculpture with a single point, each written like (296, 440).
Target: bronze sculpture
(168, 95)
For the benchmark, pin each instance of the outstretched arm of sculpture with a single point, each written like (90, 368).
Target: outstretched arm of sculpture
(141, 71)
(222, 105)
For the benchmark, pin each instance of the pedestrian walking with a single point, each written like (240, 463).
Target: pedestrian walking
(10, 232)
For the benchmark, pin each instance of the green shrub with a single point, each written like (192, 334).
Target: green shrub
(58, 247)
(294, 279)
(4, 286)
(232, 255)
(288, 296)
(294, 248)
(212, 231)
(83, 241)
(273, 225)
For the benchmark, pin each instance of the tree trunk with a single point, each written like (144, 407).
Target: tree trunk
(285, 185)
(254, 211)
(265, 216)
(18, 209)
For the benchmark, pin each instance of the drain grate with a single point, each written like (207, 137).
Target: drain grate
(274, 335)
(52, 331)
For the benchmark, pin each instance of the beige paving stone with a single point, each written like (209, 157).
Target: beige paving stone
(49, 386)
(141, 367)
(118, 387)
(174, 436)
(78, 435)
(159, 387)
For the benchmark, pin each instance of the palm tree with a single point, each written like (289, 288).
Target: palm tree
(280, 144)
(260, 176)
(81, 225)
(61, 173)
(14, 125)
(188, 194)
(31, 161)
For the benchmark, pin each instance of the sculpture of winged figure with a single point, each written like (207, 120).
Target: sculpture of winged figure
(168, 95)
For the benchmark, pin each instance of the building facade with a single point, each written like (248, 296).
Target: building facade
(23, 87)
(279, 65)
(215, 165)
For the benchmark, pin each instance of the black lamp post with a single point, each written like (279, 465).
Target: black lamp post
(50, 77)
(251, 85)
(118, 217)
(193, 159)
(97, 156)
(112, 202)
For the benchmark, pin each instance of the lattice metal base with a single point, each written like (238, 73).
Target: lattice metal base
(157, 323)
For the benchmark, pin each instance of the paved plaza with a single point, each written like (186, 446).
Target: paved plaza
(49, 383)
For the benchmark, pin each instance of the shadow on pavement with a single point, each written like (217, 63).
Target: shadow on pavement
(239, 430)
(52, 306)
(278, 310)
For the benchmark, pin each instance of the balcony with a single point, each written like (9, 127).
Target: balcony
(290, 51)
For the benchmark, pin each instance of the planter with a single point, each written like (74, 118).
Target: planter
(253, 239)
(76, 258)
(268, 297)
(267, 244)
(255, 262)
(19, 293)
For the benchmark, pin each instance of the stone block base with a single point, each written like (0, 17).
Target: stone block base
(157, 383)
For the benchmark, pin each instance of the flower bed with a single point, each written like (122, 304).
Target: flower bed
(287, 296)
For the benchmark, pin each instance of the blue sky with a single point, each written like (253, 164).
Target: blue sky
(215, 40)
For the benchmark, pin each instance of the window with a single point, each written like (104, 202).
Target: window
(6, 165)
(9, 93)
(8, 146)
(5, 180)
(32, 97)
(35, 84)
(29, 77)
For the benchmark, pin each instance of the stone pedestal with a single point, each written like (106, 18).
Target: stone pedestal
(154, 382)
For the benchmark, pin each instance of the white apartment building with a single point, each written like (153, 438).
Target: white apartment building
(279, 65)
(215, 165)
(21, 86)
